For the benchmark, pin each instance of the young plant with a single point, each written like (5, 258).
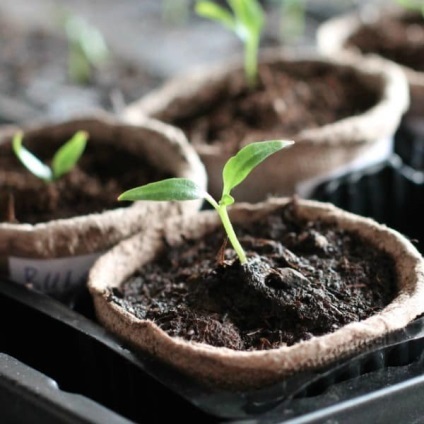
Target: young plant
(292, 21)
(246, 22)
(417, 5)
(175, 12)
(87, 48)
(235, 171)
(63, 160)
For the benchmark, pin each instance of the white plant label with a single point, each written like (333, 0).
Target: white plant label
(51, 275)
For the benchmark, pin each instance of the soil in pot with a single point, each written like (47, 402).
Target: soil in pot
(92, 186)
(304, 279)
(282, 105)
(398, 37)
(341, 116)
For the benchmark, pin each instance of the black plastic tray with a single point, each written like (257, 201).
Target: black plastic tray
(59, 366)
(390, 192)
(409, 142)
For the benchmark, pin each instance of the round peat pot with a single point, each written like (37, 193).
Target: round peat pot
(392, 34)
(171, 294)
(341, 116)
(52, 232)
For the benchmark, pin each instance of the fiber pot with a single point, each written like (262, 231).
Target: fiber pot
(392, 34)
(242, 369)
(331, 134)
(50, 248)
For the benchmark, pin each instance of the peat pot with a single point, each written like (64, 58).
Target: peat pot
(341, 116)
(51, 233)
(296, 306)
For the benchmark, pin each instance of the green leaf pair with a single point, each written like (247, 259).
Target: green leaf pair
(235, 171)
(63, 160)
(412, 5)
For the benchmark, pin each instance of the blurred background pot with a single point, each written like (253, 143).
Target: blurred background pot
(341, 116)
(392, 34)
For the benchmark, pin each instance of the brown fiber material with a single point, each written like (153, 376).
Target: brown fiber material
(320, 151)
(233, 369)
(161, 146)
(333, 36)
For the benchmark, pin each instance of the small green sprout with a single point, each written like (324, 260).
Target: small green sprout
(292, 22)
(87, 48)
(246, 22)
(235, 171)
(417, 5)
(63, 160)
(175, 12)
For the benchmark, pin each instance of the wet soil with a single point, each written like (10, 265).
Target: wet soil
(103, 172)
(286, 101)
(303, 279)
(400, 39)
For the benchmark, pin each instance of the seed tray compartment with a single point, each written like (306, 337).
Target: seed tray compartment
(91, 367)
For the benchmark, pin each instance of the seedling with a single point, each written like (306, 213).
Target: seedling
(246, 22)
(175, 12)
(292, 21)
(87, 48)
(417, 5)
(235, 171)
(63, 160)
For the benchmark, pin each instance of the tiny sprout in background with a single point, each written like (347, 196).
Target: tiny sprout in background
(246, 21)
(175, 12)
(63, 160)
(235, 171)
(87, 48)
(292, 20)
(417, 5)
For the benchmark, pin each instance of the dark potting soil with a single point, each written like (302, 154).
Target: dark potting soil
(102, 173)
(286, 101)
(35, 77)
(303, 279)
(398, 38)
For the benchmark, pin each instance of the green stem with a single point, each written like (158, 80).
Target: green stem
(223, 214)
(251, 61)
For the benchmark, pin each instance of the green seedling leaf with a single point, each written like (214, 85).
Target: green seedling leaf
(246, 21)
(239, 166)
(68, 155)
(87, 48)
(176, 12)
(250, 18)
(235, 171)
(417, 5)
(63, 160)
(292, 19)
(31, 162)
(166, 190)
(213, 11)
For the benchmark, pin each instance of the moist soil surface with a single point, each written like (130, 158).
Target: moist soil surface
(35, 82)
(287, 100)
(103, 172)
(303, 279)
(398, 38)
